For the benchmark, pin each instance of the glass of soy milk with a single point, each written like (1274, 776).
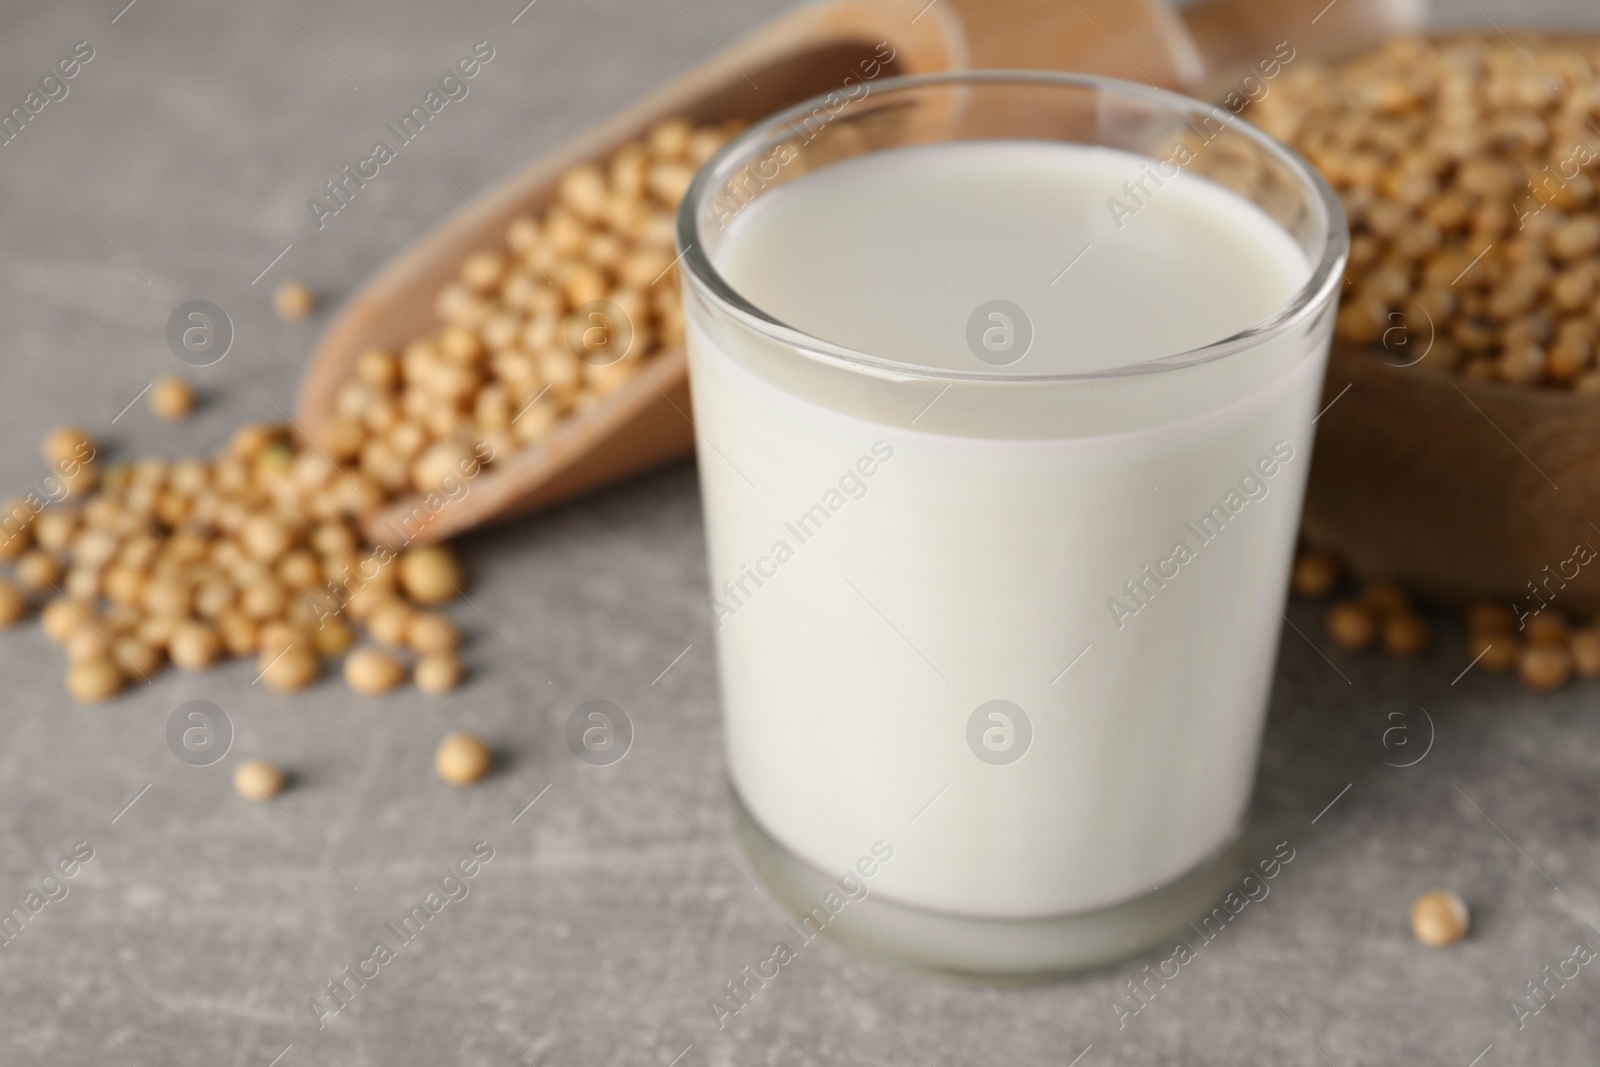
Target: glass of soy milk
(1003, 388)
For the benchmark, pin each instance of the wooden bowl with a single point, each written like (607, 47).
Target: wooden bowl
(646, 422)
(1458, 489)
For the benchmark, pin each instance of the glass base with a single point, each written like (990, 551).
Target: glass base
(993, 949)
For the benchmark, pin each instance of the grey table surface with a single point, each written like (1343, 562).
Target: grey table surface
(179, 166)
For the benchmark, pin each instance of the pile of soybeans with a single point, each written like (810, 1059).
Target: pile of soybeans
(1468, 168)
(256, 552)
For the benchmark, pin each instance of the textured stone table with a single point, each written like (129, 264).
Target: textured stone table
(177, 167)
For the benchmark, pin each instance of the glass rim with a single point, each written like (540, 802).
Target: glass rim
(1331, 246)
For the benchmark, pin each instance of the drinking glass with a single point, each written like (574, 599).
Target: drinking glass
(982, 714)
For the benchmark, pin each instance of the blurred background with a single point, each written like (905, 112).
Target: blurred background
(203, 930)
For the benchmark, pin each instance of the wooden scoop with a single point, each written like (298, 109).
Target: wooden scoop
(645, 423)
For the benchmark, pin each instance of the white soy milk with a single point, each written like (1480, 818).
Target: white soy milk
(1021, 632)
